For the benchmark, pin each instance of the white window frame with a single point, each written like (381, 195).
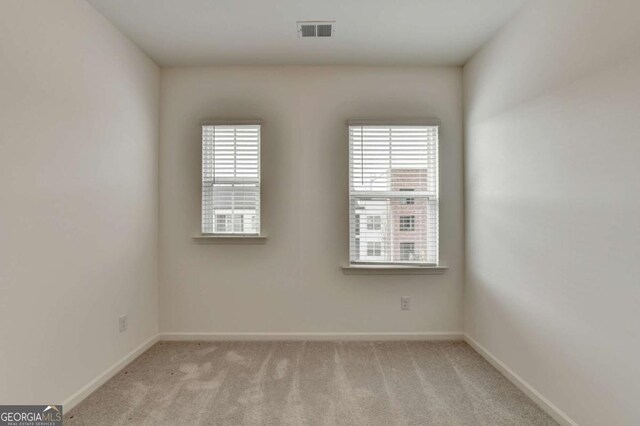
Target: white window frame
(353, 264)
(233, 229)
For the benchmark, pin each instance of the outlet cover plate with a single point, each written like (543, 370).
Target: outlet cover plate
(122, 323)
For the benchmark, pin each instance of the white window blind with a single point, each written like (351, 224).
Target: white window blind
(385, 162)
(231, 179)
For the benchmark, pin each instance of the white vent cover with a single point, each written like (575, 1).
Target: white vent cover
(316, 29)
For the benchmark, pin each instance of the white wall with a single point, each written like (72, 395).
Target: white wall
(78, 198)
(552, 207)
(294, 282)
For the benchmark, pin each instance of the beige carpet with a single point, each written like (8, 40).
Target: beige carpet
(308, 383)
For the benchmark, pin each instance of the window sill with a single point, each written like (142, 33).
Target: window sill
(230, 239)
(393, 270)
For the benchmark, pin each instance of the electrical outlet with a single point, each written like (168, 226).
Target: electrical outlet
(123, 323)
(405, 303)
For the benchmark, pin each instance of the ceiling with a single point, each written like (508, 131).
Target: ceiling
(371, 32)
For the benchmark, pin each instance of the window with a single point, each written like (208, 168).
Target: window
(231, 179)
(221, 223)
(374, 248)
(238, 225)
(385, 162)
(407, 223)
(407, 251)
(374, 223)
(407, 201)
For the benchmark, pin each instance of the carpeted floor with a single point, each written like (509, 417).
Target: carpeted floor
(308, 383)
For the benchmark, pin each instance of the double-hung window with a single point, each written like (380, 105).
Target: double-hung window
(374, 223)
(231, 179)
(407, 251)
(408, 223)
(374, 248)
(386, 161)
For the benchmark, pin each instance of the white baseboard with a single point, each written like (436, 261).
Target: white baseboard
(183, 336)
(77, 397)
(557, 414)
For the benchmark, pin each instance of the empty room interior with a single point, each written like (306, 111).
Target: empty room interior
(339, 212)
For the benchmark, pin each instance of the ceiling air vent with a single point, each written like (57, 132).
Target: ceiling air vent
(316, 29)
